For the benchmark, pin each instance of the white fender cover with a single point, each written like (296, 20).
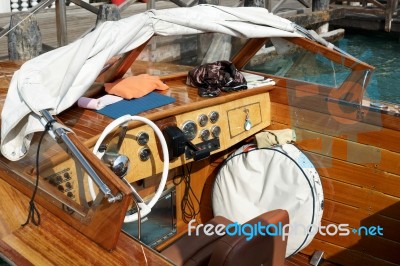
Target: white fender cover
(253, 181)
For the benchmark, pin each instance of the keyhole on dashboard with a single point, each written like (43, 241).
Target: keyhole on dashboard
(247, 122)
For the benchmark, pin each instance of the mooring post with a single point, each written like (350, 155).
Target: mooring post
(319, 5)
(25, 40)
(391, 6)
(151, 4)
(61, 22)
(210, 2)
(257, 3)
(108, 12)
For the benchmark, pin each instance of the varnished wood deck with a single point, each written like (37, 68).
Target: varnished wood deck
(87, 125)
(56, 243)
(357, 156)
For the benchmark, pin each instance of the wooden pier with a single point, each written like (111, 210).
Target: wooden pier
(79, 21)
(369, 15)
(364, 14)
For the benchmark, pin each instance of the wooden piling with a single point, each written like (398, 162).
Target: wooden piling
(108, 12)
(210, 2)
(61, 22)
(256, 3)
(391, 7)
(321, 5)
(25, 40)
(318, 5)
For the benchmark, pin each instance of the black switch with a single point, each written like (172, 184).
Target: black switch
(176, 141)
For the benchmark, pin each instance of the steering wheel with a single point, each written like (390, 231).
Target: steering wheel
(122, 122)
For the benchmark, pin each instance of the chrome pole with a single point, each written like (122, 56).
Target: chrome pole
(60, 133)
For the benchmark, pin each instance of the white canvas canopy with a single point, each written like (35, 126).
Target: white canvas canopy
(57, 79)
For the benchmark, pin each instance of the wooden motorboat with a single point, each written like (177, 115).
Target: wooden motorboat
(354, 147)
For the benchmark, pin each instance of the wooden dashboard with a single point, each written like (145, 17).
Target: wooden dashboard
(60, 181)
(221, 133)
(232, 110)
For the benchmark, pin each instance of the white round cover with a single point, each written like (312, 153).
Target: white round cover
(253, 181)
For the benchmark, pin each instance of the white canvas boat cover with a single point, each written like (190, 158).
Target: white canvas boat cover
(253, 181)
(56, 80)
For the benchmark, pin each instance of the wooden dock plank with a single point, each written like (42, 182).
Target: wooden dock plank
(369, 18)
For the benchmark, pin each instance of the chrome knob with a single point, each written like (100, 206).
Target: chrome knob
(118, 163)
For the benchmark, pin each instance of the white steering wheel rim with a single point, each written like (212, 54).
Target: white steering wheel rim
(145, 208)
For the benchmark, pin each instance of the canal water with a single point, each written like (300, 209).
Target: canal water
(381, 50)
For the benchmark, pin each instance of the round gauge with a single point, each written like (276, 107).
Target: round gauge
(204, 134)
(189, 129)
(142, 138)
(144, 154)
(215, 131)
(203, 120)
(214, 116)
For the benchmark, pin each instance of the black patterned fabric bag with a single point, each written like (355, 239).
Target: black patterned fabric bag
(211, 78)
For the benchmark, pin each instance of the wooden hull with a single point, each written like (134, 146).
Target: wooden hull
(359, 164)
(356, 151)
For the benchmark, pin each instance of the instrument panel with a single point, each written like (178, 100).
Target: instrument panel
(215, 128)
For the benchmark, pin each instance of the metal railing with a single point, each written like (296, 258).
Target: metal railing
(25, 5)
(60, 13)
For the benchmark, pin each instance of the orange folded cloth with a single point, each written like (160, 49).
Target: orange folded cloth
(135, 86)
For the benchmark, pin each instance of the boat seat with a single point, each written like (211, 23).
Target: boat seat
(231, 250)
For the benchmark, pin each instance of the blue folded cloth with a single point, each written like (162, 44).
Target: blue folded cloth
(136, 106)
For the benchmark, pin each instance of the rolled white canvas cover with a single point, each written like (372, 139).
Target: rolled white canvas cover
(55, 80)
(253, 181)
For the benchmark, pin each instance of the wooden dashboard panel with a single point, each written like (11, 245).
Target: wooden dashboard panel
(232, 117)
(62, 182)
(63, 187)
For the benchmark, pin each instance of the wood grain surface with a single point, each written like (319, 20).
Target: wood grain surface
(354, 148)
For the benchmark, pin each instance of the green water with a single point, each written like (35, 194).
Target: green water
(381, 50)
